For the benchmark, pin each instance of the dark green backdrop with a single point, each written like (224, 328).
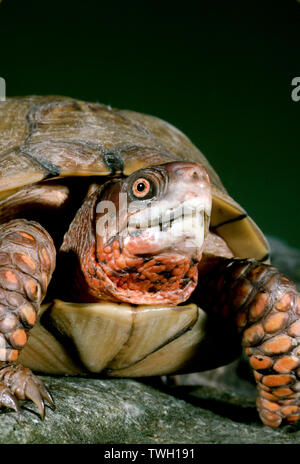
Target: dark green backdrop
(221, 73)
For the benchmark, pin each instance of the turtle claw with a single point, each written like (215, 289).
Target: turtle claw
(8, 400)
(19, 383)
(44, 393)
(33, 393)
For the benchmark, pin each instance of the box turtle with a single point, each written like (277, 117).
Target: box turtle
(144, 264)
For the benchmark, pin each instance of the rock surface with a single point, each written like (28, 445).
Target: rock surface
(215, 407)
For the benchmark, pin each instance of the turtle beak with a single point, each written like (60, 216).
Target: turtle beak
(189, 186)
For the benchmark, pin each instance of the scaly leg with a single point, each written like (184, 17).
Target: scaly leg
(263, 307)
(27, 261)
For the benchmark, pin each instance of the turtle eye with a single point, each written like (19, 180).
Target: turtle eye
(141, 188)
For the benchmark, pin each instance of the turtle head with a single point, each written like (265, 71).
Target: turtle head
(150, 230)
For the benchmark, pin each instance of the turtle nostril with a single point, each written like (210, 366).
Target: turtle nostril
(189, 171)
(195, 175)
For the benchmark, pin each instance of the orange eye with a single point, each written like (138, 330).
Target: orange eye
(141, 188)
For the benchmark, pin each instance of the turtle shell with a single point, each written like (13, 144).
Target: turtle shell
(48, 138)
(52, 137)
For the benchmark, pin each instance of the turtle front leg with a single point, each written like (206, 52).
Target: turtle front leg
(27, 261)
(255, 302)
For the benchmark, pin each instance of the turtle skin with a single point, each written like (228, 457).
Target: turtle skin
(248, 303)
(260, 308)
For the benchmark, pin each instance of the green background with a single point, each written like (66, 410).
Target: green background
(221, 73)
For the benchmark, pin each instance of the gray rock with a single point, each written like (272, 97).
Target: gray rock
(94, 411)
(214, 407)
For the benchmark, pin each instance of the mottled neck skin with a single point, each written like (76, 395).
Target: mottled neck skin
(140, 240)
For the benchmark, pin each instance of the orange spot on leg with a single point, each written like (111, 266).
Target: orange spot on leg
(242, 293)
(277, 380)
(290, 410)
(270, 418)
(253, 335)
(275, 322)
(241, 319)
(28, 314)
(32, 289)
(284, 303)
(8, 355)
(260, 362)
(46, 262)
(24, 262)
(282, 392)
(268, 396)
(258, 306)
(18, 338)
(294, 329)
(277, 345)
(11, 277)
(286, 364)
(270, 405)
(13, 355)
